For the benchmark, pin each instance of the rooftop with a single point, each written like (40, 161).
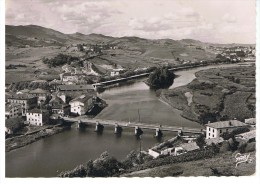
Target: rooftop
(189, 146)
(25, 91)
(83, 98)
(21, 96)
(75, 87)
(226, 124)
(250, 121)
(68, 74)
(38, 91)
(214, 140)
(38, 111)
(247, 135)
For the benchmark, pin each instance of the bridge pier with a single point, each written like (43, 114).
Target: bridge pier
(118, 129)
(99, 127)
(80, 124)
(180, 132)
(158, 133)
(138, 131)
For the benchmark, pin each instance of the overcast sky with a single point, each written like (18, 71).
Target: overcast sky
(219, 21)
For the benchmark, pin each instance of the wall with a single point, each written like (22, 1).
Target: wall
(34, 119)
(153, 153)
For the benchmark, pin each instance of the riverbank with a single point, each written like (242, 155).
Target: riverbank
(32, 136)
(223, 164)
(217, 94)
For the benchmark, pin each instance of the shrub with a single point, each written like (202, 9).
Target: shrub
(224, 147)
(242, 147)
(200, 141)
(79, 171)
(250, 147)
(215, 148)
(190, 156)
(161, 78)
(106, 166)
(233, 144)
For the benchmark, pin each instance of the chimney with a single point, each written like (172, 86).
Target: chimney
(208, 122)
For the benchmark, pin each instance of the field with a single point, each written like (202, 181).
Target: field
(27, 45)
(218, 94)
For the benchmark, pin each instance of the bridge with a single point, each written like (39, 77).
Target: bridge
(119, 80)
(138, 127)
(95, 85)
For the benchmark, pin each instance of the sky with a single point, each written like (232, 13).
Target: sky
(216, 21)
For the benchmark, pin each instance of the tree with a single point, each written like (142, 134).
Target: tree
(90, 171)
(200, 141)
(251, 107)
(161, 78)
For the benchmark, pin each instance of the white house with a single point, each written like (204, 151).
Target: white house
(250, 121)
(214, 130)
(37, 117)
(69, 78)
(81, 104)
(153, 153)
(13, 110)
(116, 72)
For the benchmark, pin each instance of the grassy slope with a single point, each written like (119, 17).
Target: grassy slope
(133, 52)
(224, 162)
(207, 99)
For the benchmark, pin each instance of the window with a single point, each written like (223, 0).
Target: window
(209, 129)
(213, 135)
(226, 130)
(220, 131)
(209, 134)
(213, 130)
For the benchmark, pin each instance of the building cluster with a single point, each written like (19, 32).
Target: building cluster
(37, 107)
(214, 134)
(91, 50)
(235, 53)
(176, 146)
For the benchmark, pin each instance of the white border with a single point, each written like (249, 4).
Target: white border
(178, 180)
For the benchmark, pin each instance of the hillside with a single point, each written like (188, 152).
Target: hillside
(27, 45)
(230, 91)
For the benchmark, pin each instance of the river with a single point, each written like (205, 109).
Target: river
(49, 156)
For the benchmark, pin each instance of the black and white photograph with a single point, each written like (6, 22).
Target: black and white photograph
(129, 88)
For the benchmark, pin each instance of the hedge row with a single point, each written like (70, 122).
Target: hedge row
(190, 156)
